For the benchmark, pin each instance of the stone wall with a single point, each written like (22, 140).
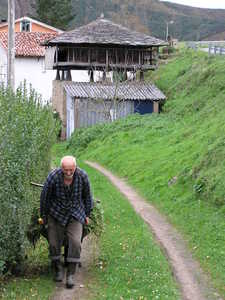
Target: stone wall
(59, 103)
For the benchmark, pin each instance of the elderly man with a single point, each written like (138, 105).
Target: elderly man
(65, 205)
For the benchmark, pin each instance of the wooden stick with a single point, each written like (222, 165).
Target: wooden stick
(37, 184)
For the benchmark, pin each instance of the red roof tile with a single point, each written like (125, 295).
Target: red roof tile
(28, 43)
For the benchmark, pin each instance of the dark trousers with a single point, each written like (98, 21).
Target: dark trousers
(57, 234)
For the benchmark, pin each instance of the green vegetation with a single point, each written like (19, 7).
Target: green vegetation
(36, 282)
(27, 132)
(176, 159)
(57, 13)
(148, 16)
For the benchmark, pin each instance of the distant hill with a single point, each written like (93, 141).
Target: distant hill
(149, 16)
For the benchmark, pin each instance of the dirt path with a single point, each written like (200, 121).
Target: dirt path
(193, 283)
(80, 290)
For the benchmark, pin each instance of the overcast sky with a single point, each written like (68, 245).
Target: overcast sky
(201, 3)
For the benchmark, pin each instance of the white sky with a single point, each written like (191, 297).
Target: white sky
(201, 3)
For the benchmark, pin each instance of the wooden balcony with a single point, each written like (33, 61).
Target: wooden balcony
(85, 58)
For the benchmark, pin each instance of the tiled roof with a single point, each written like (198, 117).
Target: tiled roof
(105, 32)
(28, 43)
(107, 91)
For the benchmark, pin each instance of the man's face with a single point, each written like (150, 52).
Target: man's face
(68, 169)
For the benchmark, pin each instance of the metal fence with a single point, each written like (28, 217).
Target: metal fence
(212, 47)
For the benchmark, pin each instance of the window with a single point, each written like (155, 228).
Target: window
(25, 25)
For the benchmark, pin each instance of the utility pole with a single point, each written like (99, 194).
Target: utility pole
(167, 28)
(11, 45)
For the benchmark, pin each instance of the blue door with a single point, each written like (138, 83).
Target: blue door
(143, 107)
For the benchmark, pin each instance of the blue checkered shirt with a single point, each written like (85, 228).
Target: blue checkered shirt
(63, 202)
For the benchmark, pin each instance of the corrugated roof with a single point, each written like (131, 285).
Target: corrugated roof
(107, 91)
(105, 32)
(28, 43)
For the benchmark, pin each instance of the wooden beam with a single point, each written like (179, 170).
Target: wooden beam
(156, 106)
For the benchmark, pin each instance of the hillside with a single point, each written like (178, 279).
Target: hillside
(176, 159)
(149, 16)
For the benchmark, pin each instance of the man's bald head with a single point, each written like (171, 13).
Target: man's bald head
(68, 159)
(68, 165)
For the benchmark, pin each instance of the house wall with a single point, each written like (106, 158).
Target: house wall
(33, 71)
(4, 28)
(38, 28)
(3, 66)
(34, 28)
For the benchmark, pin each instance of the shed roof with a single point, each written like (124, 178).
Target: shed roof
(27, 44)
(105, 32)
(107, 91)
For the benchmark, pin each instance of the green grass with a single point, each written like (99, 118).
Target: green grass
(131, 265)
(176, 159)
(35, 282)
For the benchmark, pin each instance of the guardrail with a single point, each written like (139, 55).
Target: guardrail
(210, 47)
(216, 50)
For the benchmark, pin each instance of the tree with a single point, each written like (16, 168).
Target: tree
(57, 13)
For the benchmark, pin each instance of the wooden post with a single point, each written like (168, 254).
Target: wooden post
(107, 60)
(156, 107)
(11, 45)
(68, 75)
(104, 76)
(63, 75)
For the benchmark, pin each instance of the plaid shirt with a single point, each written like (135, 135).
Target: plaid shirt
(62, 202)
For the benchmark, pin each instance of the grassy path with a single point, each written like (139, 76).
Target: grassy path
(193, 283)
(130, 265)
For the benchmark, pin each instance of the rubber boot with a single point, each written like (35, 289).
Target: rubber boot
(58, 271)
(70, 275)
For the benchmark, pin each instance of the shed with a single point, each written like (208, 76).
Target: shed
(89, 103)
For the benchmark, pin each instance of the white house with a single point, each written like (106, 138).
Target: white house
(30, 56)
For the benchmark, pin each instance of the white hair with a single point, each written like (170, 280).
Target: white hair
(68, 157)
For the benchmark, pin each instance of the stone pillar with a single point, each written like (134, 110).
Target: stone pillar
(91, 76)
(59, 103)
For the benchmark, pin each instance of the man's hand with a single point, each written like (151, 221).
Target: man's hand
(87, 221)
(40, 221)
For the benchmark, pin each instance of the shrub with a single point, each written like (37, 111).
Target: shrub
(27, 131)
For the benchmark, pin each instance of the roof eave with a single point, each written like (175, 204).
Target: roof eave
(52, 44)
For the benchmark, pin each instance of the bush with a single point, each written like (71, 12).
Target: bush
(27, 131)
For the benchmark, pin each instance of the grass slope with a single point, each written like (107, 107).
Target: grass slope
(176, 159)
